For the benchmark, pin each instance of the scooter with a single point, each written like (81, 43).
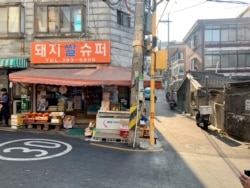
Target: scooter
(172, 104)
(202, 120)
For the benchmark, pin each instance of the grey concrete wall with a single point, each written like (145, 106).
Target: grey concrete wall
(102, 25)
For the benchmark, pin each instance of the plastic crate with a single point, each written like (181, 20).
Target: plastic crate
(205, 109)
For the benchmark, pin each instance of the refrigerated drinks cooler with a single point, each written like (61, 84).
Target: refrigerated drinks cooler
(17, 107)
(25, 102)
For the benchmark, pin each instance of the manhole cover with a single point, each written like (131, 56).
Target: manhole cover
(194, 146)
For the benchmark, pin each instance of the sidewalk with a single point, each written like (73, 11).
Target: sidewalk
(144, 142)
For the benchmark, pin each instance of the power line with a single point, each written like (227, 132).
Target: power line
(162, 14)
(188, 7)
(234, 2)
(207, 1)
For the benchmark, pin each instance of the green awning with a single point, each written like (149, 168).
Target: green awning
(13, 63)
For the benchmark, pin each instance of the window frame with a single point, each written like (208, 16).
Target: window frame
(58, 31)
(121, 16)
(20, 24)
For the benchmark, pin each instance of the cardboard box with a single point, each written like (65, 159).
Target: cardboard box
(16, 119)
(16, 123)
(105, 96)
(56, 120)
(57, 114)
(41, 118)
(16, 116)
(105, 106)
(88, 132)
(141, 132)
(69, 121)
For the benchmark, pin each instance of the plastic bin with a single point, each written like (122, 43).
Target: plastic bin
(205, 109)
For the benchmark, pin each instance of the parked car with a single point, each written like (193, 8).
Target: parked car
(147, 94)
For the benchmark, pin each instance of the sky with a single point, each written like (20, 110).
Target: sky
(184, 13)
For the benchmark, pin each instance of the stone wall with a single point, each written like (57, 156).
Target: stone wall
(238, 110)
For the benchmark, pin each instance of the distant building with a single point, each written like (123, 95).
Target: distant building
(199, 89)
(220, 46)
(178, 64)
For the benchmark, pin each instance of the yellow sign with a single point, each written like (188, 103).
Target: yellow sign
(160, 59)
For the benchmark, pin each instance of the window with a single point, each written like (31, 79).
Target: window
(224, 61)
(212, 35)
(248, 60)
(229, 59)
(241, 34)
(247, 33)
(224, 35)
(11, 19)
(232, 60)
(193, 42)
(123, 18)
(180, 55)
(193, 65)
(60, 19)
(232, 35)
(181, 69)
(212, 60)
(241, 60)
(208, 61)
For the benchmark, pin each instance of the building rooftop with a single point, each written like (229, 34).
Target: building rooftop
(214, 81)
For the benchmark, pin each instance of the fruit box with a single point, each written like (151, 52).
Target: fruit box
(56, 120)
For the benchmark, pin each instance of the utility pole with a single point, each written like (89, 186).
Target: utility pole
(152, 79)
(152, 74)
(206, 77)
(137, 62)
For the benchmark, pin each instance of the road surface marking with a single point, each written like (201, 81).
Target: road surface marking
(30, 149)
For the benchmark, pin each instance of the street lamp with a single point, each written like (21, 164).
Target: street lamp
(168, 61)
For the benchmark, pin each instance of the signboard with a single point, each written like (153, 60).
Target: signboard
(70, 52)
(133, 116)
(109, 123)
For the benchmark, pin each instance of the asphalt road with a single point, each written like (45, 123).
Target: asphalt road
(191, 158)
(23, 164)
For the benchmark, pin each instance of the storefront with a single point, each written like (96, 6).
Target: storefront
(7, 66)
(74, 91)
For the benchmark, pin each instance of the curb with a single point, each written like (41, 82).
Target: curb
(144, 144)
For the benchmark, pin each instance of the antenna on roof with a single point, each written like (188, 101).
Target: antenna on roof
(217, 66)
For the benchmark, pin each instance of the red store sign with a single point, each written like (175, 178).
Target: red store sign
(70, 52)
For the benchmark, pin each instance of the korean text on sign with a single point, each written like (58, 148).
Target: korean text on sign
(70, 52)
